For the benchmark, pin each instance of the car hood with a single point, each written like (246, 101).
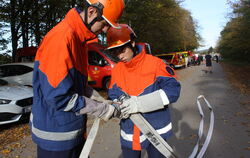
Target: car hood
(15, 92)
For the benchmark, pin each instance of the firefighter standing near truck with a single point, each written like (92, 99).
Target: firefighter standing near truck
(61, 94)
(150, 83)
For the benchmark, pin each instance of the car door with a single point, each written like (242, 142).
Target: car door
(97, 69)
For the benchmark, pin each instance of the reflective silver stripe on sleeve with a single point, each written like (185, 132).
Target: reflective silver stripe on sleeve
(129, 137)
(164, 97)
(71, 103)
(54, 136)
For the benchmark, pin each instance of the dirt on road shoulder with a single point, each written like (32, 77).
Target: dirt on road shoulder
(238, 76)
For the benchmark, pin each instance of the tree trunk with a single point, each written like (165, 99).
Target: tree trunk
(37, 30)
(25, 23)
(14, 37)
(73, 3)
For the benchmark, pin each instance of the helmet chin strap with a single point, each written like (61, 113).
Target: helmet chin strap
(99, 7)
(135, 50)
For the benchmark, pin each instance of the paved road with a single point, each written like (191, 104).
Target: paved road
(231, 131)
(232, 120)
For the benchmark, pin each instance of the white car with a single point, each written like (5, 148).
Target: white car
(15, 101)
(17, 73)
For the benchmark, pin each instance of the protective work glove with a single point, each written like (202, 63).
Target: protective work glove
(98, 109)
(143, 104)
(97, 97)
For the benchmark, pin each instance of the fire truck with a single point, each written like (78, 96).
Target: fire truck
(175, 59)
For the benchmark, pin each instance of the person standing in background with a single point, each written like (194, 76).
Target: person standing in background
(208, 58)
(216, 58)
(186, 60)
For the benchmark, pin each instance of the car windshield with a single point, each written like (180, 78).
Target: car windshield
(113, 58)
(3, 82)
(14, 70)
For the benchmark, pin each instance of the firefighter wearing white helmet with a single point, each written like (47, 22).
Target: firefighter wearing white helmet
(62, 97)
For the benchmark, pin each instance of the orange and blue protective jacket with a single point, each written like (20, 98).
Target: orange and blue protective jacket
(142, 75)
(59, 83)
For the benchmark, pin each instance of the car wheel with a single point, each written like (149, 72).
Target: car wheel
(106, 82)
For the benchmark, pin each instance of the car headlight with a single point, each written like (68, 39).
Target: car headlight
(4, 101)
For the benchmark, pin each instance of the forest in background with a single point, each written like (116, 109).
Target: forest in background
(234, 43)
(162, 23)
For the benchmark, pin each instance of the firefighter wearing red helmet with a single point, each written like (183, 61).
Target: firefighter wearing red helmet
(62, 97)
(119, 37)
(151, 85)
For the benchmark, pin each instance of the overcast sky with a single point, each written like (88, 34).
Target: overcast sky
(211, 16)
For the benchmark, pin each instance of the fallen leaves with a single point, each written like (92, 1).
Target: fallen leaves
(6, 151)
(10, 134)
(247, 148)
(247, 124)
(246, 105)
(190, 137)
(11, 147)
(238, 76)
(239, 114)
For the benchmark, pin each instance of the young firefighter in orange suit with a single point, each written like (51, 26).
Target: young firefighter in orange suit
(151, 85)
(62, 97)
